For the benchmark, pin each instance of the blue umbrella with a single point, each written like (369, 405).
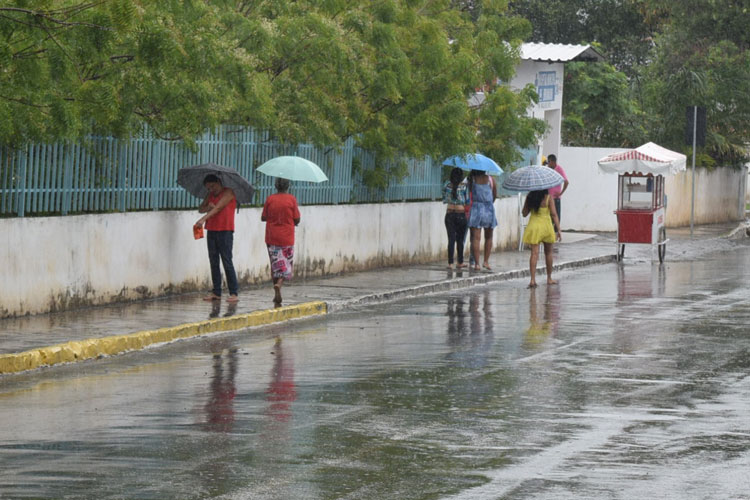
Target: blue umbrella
(474, 161)
(532, 178)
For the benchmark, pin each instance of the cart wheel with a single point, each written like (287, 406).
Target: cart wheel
(621, 253)
(662, 246)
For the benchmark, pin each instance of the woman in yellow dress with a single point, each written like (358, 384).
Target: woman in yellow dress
(540, 206)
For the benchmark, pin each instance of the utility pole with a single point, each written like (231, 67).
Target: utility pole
(695, 135)
(692, 195)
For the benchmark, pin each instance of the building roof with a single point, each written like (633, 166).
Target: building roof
(558, 52)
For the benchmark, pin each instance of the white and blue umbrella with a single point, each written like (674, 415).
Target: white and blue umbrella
(532, 178)
(474, 161)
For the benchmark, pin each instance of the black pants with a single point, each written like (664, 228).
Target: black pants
(455, 224)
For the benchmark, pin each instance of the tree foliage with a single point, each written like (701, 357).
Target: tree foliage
(396, 74)
(621, 29)
(599, 108)
(671, 55)
(602, 105)
(70, 68)
(702, 58)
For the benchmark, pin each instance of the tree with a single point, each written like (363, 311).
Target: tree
(621, 29)
(702, 58)
(601, 101)
(505, 129)
(599, 109)
(72, 68)
(395, 74)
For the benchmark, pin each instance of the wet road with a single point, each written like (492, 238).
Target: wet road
(621, 382)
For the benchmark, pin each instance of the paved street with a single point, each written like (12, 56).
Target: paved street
(624, 381)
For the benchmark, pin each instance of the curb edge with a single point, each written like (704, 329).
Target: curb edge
(457, 284)
(80, 350)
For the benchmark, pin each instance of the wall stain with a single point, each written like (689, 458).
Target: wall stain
(86, 296)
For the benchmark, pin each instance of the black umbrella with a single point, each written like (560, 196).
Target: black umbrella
(191, 178)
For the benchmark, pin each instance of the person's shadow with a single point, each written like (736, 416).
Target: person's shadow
(470, 332)
(220, 405)
(542, 324)
(231, 309)
(281, 392)
(216, 309)
(456, 320)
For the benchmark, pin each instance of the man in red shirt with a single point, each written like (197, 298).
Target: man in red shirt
(219, 207)
(281, 215)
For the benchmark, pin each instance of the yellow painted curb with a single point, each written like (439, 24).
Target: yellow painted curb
(78, 350)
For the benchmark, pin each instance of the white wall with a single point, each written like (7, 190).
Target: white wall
(57, 263)
(591, 197)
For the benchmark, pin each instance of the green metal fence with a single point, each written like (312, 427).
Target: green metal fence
(104, 174)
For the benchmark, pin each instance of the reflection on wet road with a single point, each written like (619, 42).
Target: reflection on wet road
(622, 382)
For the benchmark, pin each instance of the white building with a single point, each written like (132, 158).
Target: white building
(543, 65)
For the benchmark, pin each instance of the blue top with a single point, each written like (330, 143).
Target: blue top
(462, 194)
(482, 212)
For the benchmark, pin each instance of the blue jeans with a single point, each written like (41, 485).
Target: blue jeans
(220, 247)
(559, 217)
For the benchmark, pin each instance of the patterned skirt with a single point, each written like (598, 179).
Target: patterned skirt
(282, 259)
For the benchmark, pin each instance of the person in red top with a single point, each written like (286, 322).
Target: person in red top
(219, 207)
(281, 215)
(557, 191)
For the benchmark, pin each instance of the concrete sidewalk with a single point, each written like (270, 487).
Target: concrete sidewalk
(36, 341)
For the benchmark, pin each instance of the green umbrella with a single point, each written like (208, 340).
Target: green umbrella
(293, 168)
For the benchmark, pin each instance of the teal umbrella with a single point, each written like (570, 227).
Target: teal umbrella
(293, 168)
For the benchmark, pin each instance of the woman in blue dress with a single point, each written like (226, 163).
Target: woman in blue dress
(482, 214)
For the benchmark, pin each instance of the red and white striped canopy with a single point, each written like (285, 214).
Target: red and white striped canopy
(647, 159)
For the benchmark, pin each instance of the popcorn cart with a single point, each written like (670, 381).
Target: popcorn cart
(641, 203)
